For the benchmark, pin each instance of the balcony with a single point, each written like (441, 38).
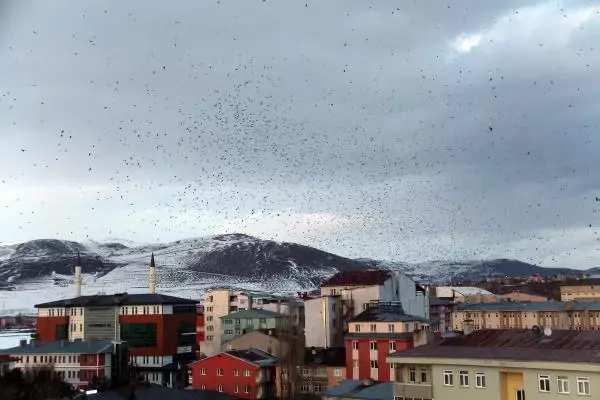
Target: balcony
(413, 390)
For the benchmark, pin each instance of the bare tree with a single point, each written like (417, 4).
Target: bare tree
(292, 355)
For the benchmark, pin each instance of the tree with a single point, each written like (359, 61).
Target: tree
(35, 384)
(293, 357)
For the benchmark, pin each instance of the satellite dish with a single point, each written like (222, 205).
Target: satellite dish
(548, 331)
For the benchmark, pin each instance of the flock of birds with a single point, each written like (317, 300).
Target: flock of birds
(195, 140)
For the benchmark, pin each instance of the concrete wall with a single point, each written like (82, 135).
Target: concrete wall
(258, 340)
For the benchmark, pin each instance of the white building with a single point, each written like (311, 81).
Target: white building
(347, 294)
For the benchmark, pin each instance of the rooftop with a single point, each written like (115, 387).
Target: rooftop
(365, 277)
(386, 312)
(117, 299)
(154, 392)
(253, 314)
(436, 301)
(62, 347)
(532, 306)
(355, 389)
(583, 282)
(330, 357)
(254, 356)
(514, 344)
(464, 290)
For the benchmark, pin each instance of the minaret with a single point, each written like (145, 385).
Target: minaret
(78, 276)
(152, 276)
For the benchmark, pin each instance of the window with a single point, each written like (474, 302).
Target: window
(202, 371)
(448, 378)
(210, 328)
(543, 383)
(412, 374)
(236, 372)
(236, 389)
(238, 321)
(247, 372)
(228, 322)
(479, 380)
(373, 328)
(305, 388)
(374, 364)
(305, 372)
(520, 394)
(392, 346)
(391, 328)
(583, 385)
(463, 378)
(139, 335)
(337, 372)
(355, 344)
(319, 388)
(228, 332)
(563, 384)
(219, 388)
(357, 328)
(209, 318)
(209, 338)
(219, 371)
(249, 322)
(373, 345)
(247, 389)
(424, 375)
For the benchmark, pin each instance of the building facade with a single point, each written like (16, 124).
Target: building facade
(78, 363)
(524, 315)
(246, 374)
(242, 322)
(582, 290)
(375, 333)
(501, 365)
(160, 330)
(270, 341)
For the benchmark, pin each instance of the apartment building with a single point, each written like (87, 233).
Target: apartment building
(246, 374)
(582, 290)
(347, 294)
(270, 341)
(160, 330)
(381, 329)
(78, 363)
(242, 322)
(524, 315)
(440, 313)
(322, 369)
(501, 364)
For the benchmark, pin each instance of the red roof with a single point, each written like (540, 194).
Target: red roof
(365, 277)
(515, 344)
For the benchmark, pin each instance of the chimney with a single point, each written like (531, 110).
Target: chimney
(77, 279)
(23, 343)
(152, 275)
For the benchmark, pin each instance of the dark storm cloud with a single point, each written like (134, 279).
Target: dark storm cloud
(382, 130)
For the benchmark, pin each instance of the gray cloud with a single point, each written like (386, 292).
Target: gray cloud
(410, 132)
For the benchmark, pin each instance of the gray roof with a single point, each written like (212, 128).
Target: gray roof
(153, 392)
(386, 312)
(532, 306)
(355, 389)
(436, 301)
(117, 299)
(79, 347)
(253, 313)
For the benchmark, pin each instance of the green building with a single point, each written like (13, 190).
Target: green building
(241, 322)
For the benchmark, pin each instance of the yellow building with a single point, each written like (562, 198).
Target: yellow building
(583, 290)
(524, 315)
(501, 364)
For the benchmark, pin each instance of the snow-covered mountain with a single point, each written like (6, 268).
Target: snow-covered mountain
(42, 270)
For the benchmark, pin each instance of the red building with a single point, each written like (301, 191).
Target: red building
(247, 374)
(78, 363)
(160, 330)
(381, 329)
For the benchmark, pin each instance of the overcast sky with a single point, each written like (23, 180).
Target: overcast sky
(410, 131)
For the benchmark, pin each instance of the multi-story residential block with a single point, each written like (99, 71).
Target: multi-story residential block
(524, 315)
(521, 296)
(501, 364)
(347, 294)
(322, 369)
(159, 329)
(241, 322)
(78, 363)
(381, 329)
(247, 374)
(440, 313)
(581, 290)
(218, 303)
